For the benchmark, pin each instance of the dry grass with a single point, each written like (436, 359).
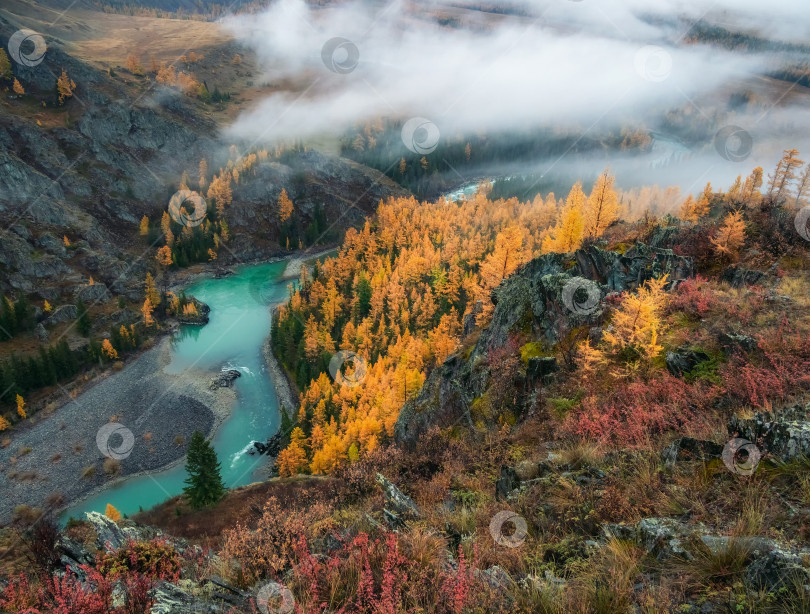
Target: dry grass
(112, 466)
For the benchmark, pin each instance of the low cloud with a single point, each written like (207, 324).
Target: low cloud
(592, 66)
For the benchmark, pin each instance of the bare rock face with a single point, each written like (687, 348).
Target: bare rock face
(63, 313)
(783, 434)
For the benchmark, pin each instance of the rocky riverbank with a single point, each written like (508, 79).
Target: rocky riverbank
(286, 391)
(294, 264)
(59, 460)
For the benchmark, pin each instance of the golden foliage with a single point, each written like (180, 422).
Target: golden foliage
(108, 350)
(134, 64)
(637, 323)
(150, 291)
(18, 88)
(112, 513)
(568, 232)
(147, 310)
(731, 235)
(21, 407)
(164, 256)
(603, 206)
(65, 86)
(285, 206)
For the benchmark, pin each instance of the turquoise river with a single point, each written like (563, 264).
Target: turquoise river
(233, 338)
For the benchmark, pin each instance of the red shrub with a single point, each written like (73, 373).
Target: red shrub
(629, 415)
(19, 596)
(374, 576)
(782, 369)
(694, 297)
(67, 596)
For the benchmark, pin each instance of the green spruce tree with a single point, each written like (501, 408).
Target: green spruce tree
(83, 321)
(204, 483)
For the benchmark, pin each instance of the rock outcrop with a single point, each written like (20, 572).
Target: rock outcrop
(548, 297)
(784, 434)
(225, 379)
(399, 507)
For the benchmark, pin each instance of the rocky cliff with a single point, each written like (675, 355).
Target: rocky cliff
(548, 298)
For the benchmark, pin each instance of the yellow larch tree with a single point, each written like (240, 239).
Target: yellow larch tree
(18, 88)
(108, 350)
(750, 193)
(285, 206)
(150, 290)
(784, 174)
(144, 226)
(293, 459)
(164, 256)
(220, 190)
(147, 310)
(65, 86)
(4, 424)
(21, 407)
(730, 236)
(636, 323)
(504, 259)
(112, 513)
(603, 206)
(567, 234)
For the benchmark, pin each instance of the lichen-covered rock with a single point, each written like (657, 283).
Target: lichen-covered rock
(776, 569)
(661, 537)
(168, 598)
(507, 482)
(736, 342)
(739, 276)
(688, 448)
(683, 360)
(109, 535)
(784, 434)
(395, 500)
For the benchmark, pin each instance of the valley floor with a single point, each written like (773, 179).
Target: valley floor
(57, 460)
